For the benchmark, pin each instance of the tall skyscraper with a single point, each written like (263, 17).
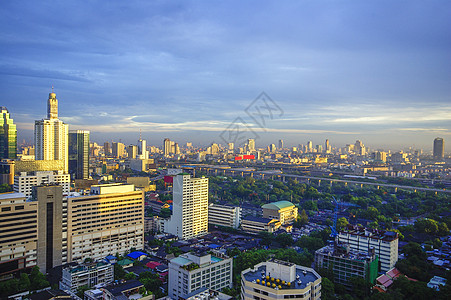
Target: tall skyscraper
(106, 148)
(309, 146)
(280, 144)
(327, 146)
(79, 154)
(142, 149)
(190, 207)
(51, 135)
(169, 147)
(132, 151)
(439, 148)
(251, 145)
(8, 135)
(118, 150)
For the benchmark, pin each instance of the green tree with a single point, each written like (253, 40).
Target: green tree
(24, 282)
(327, 289)
(165, 213)
(284, 240)
(130, 276)
(341, 223)
(81, 291)
(37, 279)
(119, 272)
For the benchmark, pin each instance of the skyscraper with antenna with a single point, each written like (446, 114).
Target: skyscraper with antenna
(51, 135)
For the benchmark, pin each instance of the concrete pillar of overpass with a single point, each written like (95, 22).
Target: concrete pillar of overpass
(319, 182)
(331, 183)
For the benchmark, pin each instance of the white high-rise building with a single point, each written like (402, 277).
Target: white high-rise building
(142, 149)
(384, 243)
(51, 135)
(189, 208)
(192, 271)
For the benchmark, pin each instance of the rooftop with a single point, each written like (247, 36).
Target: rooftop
(343, 252)
(370, 233)
(304, 277)
(278, 205)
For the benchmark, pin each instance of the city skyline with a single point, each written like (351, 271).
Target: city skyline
(376, 72)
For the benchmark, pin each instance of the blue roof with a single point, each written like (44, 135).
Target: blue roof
(110, 257)
(213, 246)
(136, 254)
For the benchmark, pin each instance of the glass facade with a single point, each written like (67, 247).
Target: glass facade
(79, 154)
(8, 136)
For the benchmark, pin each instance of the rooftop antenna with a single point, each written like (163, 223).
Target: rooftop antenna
(53, 89)
(140, 134)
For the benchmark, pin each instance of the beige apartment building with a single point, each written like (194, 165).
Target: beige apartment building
(108, 221)
(18, 233)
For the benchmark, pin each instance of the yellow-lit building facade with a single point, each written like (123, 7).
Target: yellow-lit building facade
(283, 211)
(108, 221)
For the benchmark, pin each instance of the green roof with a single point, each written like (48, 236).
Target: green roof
(278, 205)
(125, 262)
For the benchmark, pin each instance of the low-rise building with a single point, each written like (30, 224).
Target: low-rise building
(283, 211)
(436, 283)
(223, 215)
(86, 274)
(192, 271)
(276, 279)
(24, 182)
(253, 224)
(346, 263)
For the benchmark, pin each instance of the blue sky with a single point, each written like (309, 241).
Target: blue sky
(378, 71)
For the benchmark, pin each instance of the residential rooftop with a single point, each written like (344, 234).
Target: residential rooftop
(260, 275)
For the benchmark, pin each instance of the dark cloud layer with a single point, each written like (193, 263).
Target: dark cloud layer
(374, 70)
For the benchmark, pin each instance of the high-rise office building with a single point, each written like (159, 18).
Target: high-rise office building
(359, 148)
(143, 153)
(8, 135)
(309, 146)
(439, 148)
(108, 221)
(79, 154)
(51, 135)
(327, 146)
(106, 148)
(132, 151)
(280, 144)
(118, 150)
(190, 207)
(231, 146)
(168, 146)
(251, 145)
(52, 227)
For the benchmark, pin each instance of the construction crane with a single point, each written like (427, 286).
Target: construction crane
(333, 227)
